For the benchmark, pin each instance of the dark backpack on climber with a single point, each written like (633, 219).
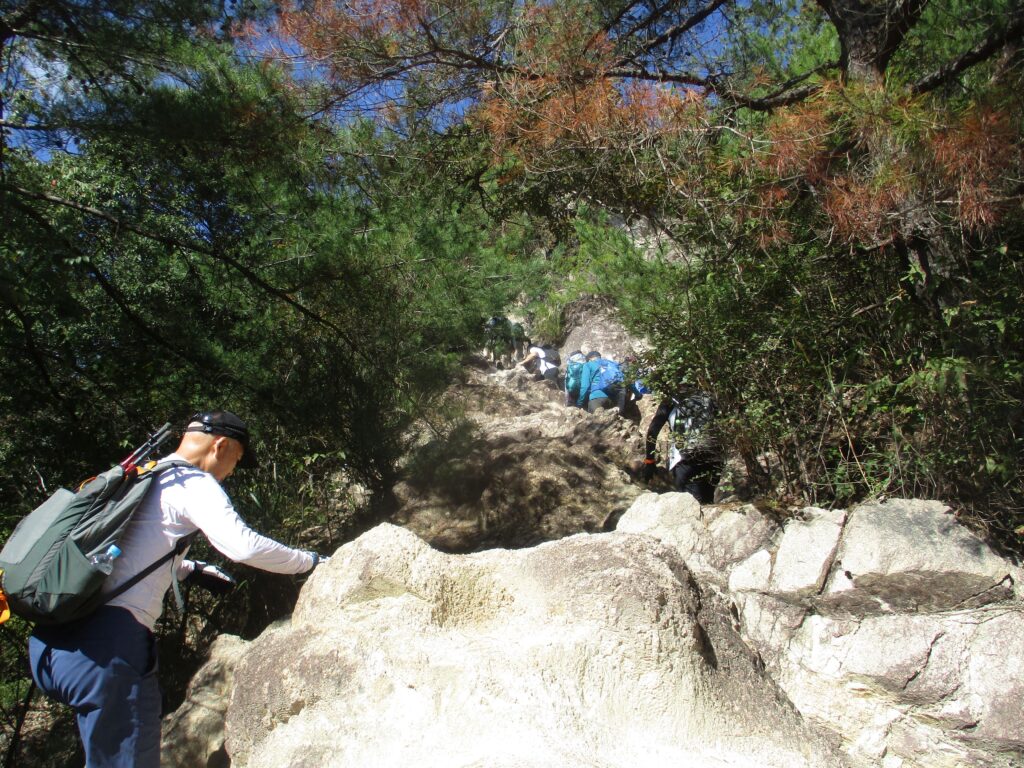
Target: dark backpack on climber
(47, 570)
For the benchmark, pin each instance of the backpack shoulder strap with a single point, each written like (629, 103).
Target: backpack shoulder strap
(160, 466)
(181, 546)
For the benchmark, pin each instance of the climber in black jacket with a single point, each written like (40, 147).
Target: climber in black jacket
(694, 458)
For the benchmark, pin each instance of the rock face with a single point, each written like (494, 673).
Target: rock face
(712, 537)
(890, 624)
(608, 650)
(595, 326)
(913, 556)
(589, 651)
(520, 469)
(193, 735)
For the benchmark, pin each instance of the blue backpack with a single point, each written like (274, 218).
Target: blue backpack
(640, 389)
(608, 377)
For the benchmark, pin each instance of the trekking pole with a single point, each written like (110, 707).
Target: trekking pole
(152, 443)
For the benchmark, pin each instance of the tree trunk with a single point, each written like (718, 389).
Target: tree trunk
(870, 32)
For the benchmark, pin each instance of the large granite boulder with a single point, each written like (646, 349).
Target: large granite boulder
(889, 623)
(608, 650)
(912, 689)
(907, 554)
(589, 651)
(710, 539)
(193, 735)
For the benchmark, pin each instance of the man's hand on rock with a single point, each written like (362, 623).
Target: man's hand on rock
(317, 560)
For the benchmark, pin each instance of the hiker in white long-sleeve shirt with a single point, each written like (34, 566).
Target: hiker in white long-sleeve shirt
(104, 666)
(542, 361)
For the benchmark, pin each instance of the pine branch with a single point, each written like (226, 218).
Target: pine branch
(980, 52)
(181, 244)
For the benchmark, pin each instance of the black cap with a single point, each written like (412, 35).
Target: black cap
(227, 424)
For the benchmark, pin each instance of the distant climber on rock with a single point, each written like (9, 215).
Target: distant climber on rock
(543, 361)
(498, 341)
(520, 341)
(600, 383)
(694, 457)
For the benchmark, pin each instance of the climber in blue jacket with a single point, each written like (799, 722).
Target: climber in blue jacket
(600, 382)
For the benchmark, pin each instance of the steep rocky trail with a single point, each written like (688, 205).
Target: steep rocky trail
(534, 606)
(512, 466)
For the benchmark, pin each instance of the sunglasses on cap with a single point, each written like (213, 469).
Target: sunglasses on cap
(227, 424)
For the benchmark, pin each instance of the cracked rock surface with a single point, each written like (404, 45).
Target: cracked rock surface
(595, 650)
(889, 623)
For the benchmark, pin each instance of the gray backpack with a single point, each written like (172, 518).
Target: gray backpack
(45, 567)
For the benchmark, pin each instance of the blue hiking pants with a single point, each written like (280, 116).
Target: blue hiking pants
(105, 668)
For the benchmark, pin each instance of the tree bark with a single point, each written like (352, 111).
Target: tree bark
(870, 32)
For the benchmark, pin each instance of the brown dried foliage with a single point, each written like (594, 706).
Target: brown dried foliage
(973, 156)
(869, 180)
(356, 41)
(862, 211)
(547, 91)
(531, 117)
(798, 140)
